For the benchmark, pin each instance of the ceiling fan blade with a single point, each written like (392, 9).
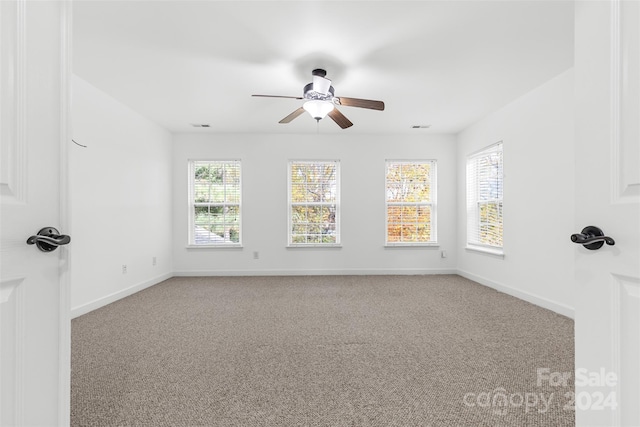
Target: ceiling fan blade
(362, 103)
(278, 96)
(292, 115)
(340, 119)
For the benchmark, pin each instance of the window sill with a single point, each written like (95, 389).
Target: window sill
(432, 245)
(235, 246)
(315, 246)
(498, 253)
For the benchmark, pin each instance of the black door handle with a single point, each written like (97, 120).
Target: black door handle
(48, 239)
(592, 238)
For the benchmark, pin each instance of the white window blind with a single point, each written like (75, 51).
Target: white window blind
(410, 202)
(484, 198)
(314, 201)
(215, 203)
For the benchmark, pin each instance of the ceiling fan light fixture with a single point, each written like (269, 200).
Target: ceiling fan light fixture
(318, 109)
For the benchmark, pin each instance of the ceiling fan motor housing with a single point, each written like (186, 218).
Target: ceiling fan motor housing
(309, 93)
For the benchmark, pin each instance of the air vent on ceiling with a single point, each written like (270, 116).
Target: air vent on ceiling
(200, 125)
(420, 126)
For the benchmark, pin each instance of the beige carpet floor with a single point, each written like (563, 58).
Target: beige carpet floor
(320, 351)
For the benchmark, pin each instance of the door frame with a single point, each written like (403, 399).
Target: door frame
(64, 328)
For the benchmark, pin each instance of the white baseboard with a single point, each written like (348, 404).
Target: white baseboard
(101, 302)
(307, 272)
(526, 296)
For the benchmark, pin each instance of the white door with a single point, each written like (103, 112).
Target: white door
(34, 309)
(607, 139)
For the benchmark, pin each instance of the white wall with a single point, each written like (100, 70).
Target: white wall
(129, 189)
(538, 143)
(120, 188)
(264, 168)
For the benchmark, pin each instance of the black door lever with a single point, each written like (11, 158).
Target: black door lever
(48, 239)
(592, 238)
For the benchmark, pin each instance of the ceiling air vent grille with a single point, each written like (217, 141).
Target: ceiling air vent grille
(200, 125)
(420, 126)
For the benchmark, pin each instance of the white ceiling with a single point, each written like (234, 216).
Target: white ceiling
(439, 63)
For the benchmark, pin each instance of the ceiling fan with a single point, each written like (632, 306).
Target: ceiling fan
(321, 101)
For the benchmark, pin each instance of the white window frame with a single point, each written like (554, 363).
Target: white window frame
(291, 204)
(432, 204)
(192, 205)
(473, 202)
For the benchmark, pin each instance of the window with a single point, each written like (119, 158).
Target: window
(314, 201)
(214, 203)
(484, 199)
(411, 202)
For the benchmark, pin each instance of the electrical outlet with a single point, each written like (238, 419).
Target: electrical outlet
(443, 254)
(124, 269)
(154, 261)
(256, 255)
